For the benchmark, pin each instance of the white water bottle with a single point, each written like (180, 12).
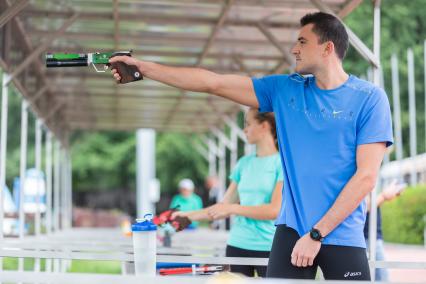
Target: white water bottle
(145, 245)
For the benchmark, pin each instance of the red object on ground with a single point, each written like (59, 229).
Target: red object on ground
(186, 270)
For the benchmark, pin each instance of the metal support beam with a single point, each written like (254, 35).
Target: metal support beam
(215, 30)
(12, 11)
(348, 8)
(412, 111)
(56, 186)
(201, 150)
(239, 60)
(3, 149)
(46, 42)
(424, 84)
(234, 152)
(22, 174)
(33, 99)
(174, 109)
(233, 125)
(145, 165)
(396, 107)
(49, 182)
(222, 179)
(53, 111)
(37, 159)
(37, 218)
(211, 145)
(372, 234)
(288, 59)
(222, 137)
(212, 157)
(63, 191)
(354, 40)
(69, 186)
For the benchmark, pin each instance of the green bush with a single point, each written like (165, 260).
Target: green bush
(403, 217)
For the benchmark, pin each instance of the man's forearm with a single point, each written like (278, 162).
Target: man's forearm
(191, 79)
(351, 196)
(234, 87)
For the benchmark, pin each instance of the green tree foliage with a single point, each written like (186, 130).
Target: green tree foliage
(106, 161)
(103, 161)
(403, 26)
(403, 218)
(176, 159)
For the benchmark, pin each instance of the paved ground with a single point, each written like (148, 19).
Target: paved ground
(396, 252)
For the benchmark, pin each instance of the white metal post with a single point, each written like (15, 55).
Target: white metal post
(56, 185)
(396, 107)
(48, 191)
(22, 172)
(222, 177)
(70, 216)
(37, 219)
(424, 86)
(38, 138)
(48, 182)
(234, 150)
(212, 158)
(3, 147)
(56, 196)
(412, 111)
(145, 170)
(373, 203)
(63, 192)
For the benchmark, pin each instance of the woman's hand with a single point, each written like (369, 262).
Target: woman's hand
(181, 214)
(220, 210)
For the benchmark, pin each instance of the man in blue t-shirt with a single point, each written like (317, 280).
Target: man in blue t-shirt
(333, 129)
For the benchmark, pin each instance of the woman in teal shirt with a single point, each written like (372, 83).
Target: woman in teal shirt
(254, 196)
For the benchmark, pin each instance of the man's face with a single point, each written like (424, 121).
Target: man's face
(185, 192)
(308, 51)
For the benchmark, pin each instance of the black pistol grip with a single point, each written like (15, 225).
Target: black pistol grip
(128, 73)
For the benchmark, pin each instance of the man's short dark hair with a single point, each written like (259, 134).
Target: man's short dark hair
(328, 28)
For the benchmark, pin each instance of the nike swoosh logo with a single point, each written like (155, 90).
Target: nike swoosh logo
(337, 112)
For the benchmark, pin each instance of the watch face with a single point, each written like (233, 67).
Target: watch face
(315, 235)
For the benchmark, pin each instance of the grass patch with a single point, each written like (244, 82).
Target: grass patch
(77, 266)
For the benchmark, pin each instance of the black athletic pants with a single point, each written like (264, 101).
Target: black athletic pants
(336, 262)
(247, 270)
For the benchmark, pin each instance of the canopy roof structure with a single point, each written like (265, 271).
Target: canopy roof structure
(251, 37)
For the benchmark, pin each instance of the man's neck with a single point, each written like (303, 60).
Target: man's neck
(331, 78)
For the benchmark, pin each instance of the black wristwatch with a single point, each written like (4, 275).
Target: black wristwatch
(316, 235)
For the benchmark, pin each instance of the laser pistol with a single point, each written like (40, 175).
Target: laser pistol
(128, 73)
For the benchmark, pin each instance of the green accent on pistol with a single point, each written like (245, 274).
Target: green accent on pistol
(128, 73)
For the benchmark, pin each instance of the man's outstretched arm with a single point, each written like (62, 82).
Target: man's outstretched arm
(233, 87)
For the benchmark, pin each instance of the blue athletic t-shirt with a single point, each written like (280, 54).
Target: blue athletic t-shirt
(318, 134)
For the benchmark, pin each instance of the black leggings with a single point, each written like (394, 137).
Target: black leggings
(336, 262)
(247, 270)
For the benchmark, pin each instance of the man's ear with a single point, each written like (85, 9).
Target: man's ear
(328, 49)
